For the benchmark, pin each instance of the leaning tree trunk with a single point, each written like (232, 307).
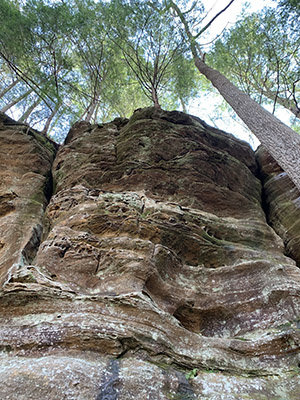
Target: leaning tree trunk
(280, 141)
(16, 101)
(49, 120)
(29, 110)
(8, 88)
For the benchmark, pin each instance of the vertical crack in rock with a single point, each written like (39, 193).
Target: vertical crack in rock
(49, 186)
(32, 246)
(110, 385)
(185, 390)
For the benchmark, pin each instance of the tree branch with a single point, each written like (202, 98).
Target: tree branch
(213, 19)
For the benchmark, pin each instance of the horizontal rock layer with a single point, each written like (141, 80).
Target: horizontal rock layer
(156, 259)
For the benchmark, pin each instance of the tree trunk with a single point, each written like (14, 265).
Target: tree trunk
(90, 110)
(93, 105)
(49, 120)
(16, 101)
(280, 141)
(155, 98)
(184, 109)
(8, 88)
(29, 110)
(96, 113)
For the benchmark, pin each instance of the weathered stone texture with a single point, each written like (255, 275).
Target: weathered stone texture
(156, 259)
(25, 180)
(282, 202)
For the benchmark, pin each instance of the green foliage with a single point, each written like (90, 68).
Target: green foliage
(192, 374)
(70, 60)
(260, 54)
(151, 46)
(290, 10)
(99, 59)
(12, 20)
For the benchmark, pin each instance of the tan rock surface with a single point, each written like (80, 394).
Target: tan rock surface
(156, 260)
(25, 181)
(282, 202)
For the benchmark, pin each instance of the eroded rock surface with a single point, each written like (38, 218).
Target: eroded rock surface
(282, 202)
(156, 260)
(25, 183)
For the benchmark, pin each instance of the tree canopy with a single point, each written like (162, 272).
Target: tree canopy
(61, 61)
(261, 54)
(93, 60)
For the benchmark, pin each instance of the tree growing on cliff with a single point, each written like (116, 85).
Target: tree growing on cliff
(73, 57)
(154, 50)
(55, 55)
(281, 141)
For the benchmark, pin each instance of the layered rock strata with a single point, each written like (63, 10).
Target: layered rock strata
(157, 276)
(26, 159)
(282, 203)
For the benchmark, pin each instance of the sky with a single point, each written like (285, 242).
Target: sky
(205, 106)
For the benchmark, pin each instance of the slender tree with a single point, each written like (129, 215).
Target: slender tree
(260, 54)
(8, 87)
(281, 141)
(16, 101)
(30, 109)
(153, 48)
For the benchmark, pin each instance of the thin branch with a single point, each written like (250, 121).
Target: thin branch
(213, 19)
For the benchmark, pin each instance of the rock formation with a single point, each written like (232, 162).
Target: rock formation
(282, 201)
(160, 268)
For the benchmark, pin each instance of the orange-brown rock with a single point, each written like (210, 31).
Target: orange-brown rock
(157, 276)
(25, 183)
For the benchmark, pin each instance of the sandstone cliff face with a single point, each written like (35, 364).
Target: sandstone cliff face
(282, 201)
(153, 273)
(25, 183)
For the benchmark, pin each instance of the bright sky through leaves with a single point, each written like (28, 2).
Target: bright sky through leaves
(79, 88)
(205, 106)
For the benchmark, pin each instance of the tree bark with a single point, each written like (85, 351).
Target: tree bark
(184, 109)
(90, 110)
(279, 140)
(155, 98)
(92, 106)
(49, 120)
